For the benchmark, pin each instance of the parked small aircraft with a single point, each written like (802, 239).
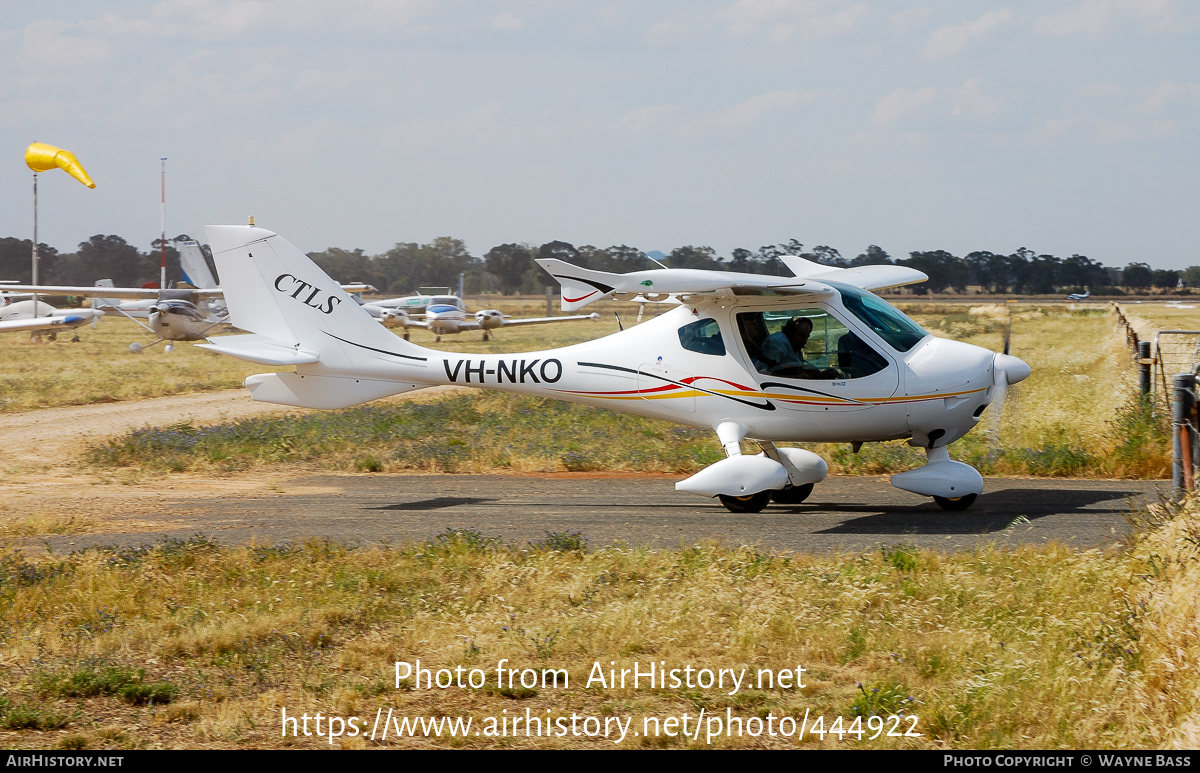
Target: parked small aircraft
(447, 315)
(35, 316)
(1078, 296)
(412, 304)
(812, 358)
(187, 313)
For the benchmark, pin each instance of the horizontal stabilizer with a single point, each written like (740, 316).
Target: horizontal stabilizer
(260, 349)
(325, 392)
(876, 277)
(581, 286)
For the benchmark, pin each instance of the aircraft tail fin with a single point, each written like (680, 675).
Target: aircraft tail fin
(101, 303)
(275, 291)
(194, 267)
(579, 286)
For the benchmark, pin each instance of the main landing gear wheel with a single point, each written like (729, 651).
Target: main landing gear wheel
(794, 495)
(753, 503)
(956, 503)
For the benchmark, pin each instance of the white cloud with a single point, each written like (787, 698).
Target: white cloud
(323, 82)
(225, 19)
(508, 21)
(756, 107)
(1168, 93)
(44, 46)
(900, 103)
(645, 117)
(782, 20)
(904, 20)
(970, 101)
(953, 38)
(1104, 90)
(1095, 18)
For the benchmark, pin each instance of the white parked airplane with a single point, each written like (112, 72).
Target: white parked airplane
(35, 316)
(1078, 296)
(447, 315)
(811, 358)
(180, 314)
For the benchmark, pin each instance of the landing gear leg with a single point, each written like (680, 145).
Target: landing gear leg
(730, 434)
(801, 465)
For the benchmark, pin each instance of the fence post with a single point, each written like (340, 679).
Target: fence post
(1182, 408)
(1144, 363)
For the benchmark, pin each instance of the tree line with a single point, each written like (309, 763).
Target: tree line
(510, 268)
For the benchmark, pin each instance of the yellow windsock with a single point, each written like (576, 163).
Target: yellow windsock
(41, 157)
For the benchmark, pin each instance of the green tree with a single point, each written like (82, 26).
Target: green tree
(508, 263)
(873, 256)
(351, 266)
(694, 257)
(16, 261)
(409, 266)
(110, 257)
(1137, 276)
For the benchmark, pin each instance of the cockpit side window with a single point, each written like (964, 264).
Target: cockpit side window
(806, 343)
(703, 336)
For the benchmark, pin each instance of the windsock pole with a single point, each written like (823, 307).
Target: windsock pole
(35, 239)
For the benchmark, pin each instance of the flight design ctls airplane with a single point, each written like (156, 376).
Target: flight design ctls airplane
(815, 357)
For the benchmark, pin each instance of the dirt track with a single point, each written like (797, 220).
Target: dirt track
(42, 483)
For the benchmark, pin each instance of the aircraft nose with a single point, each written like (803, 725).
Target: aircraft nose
(1014, 369)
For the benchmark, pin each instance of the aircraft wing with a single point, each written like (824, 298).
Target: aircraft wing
(867, 277)
(48, 323)
(142, 293)
(581, 286)
(150, 293)
(545, 320)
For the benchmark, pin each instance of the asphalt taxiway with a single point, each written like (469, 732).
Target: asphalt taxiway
(843, 514)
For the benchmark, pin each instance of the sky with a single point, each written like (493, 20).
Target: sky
(1063, 127)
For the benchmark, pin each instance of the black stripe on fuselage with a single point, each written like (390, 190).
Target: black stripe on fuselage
(769, 406)
(601, 287)
(770, 384)
(373, 349)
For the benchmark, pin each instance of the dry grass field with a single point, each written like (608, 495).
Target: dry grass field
(189, 644)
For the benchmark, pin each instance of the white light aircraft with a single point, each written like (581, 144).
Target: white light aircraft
(1078, 296)
(35, 315)
(811, 358)
(447, 315)
(181, 314)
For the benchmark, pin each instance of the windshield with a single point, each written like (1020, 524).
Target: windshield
(888, 322)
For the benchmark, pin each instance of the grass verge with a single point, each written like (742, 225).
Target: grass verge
(190, 644)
